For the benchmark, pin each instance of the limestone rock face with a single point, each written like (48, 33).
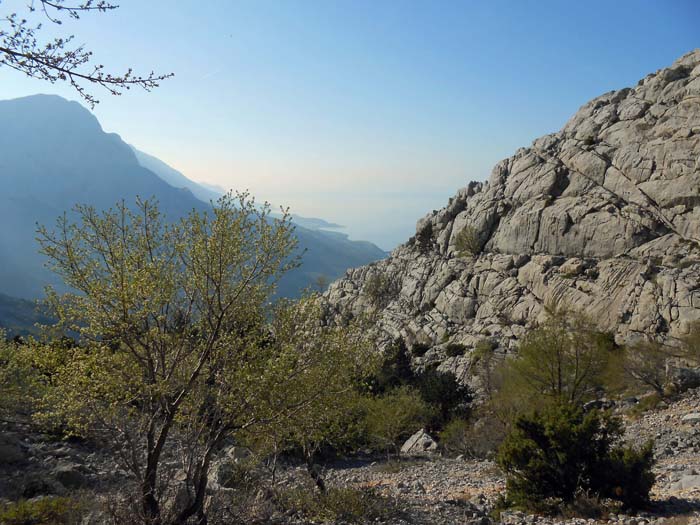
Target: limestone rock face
(602, 218)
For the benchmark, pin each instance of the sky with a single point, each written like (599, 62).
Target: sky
(367, 113)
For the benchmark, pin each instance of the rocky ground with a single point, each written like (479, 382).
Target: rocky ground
(463, 491)
(429, 490)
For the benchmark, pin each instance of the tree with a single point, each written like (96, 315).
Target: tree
(444, 392)
(563, 360)
(175, 352)
(395, 416)
(328, 361)
(19, 380)
(57, 59)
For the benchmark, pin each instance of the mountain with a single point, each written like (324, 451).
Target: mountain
(174, 177)
(54, 154)
(208, 193)
(19, 316)
(601, 218)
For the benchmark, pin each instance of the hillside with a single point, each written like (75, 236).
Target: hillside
(55, 154)
(601, 218)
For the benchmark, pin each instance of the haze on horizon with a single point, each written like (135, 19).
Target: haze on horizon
(362, 113)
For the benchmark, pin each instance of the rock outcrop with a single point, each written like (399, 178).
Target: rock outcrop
(601, 218)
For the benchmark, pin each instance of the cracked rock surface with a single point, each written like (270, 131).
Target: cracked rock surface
(601, 218)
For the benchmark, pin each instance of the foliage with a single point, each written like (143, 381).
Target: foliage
(380, 289)
(467, 242)
(56, 58)
(424, 238)
(477, 437)
(20, 381)
(551, 456)
(327, 362)
(446, 394)
(482, 362)
(419, 349)
(337, 505)
(562, 361)
(395, 369)
(175, 351)
(396, 415)
(53, 510)
(455, 349)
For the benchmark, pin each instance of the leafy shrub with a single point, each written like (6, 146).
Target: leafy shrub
(446, 394)
(393, 417)
(394, 371)
(563, 361)
(551, 456)
(380, 289)
(337, 505)
(419, 349)
(455, 349)
(424, 238)
(50, 510)
(467, 242)
(477, 437)
(20, 382)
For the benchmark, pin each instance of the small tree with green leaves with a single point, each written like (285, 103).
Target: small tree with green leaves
(564, 360)
(20, 381)
(394, 416)
(328, 362)
(175, 352)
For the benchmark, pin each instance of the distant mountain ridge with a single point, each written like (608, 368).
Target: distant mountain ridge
(54, 154)
(209, 193)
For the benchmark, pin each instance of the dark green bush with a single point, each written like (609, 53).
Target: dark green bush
(53, 510)
(477, 437)
(424, 238)
(551, 456)
(446, 394)
(455, 349)
(395, 370)
(467, 242)
(419, 349)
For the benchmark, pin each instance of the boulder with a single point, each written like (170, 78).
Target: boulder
(418, 444)
(11, 450)
(69, 475)
(686, 482)
(692, 418)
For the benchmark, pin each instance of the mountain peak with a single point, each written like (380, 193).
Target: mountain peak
(51, 110)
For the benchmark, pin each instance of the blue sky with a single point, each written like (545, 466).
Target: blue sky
(366, 113)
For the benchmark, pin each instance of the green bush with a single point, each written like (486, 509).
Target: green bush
(467, 242)
(551, 456)
(476, 437)
(337, 505)
(393, 417)
(20, 381)
(455, 349)
(424, 238)
(446, 394)
(50, 510)
(419, 349)
(380, 289)
(394, 371)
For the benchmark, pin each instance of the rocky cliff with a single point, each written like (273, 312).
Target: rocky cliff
(601, 218)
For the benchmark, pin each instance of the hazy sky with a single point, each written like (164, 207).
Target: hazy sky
(365, 113)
